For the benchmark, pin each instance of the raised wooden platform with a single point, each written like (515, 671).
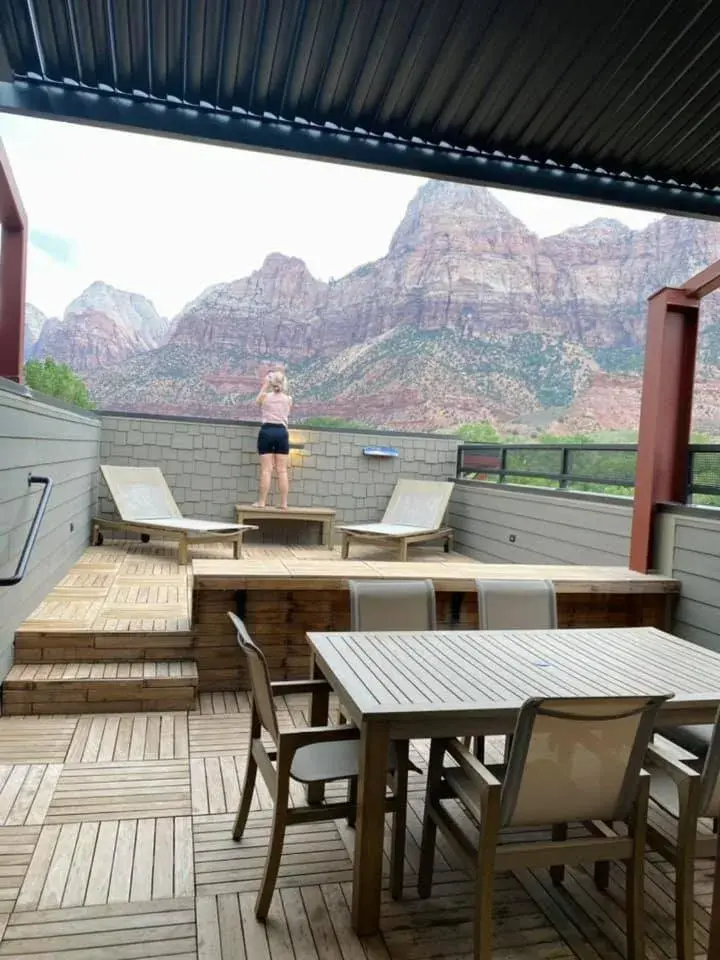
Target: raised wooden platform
(131, 602)
(282, 597)
(115, 842)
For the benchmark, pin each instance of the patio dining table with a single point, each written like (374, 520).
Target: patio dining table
(404, 686)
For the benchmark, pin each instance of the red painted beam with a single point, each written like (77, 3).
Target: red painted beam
(705, 282)
(665, 415)
(13, 259)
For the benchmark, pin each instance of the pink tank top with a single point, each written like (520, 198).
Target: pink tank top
(275, 408)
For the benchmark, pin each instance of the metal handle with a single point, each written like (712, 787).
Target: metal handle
(32, 532)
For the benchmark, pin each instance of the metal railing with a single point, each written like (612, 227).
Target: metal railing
(32, 532)
(593, 468)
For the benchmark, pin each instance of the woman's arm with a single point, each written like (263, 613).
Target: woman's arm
(263, 390)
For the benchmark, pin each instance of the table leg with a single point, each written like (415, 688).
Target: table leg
(714, 940)
(319, 712)
(370, 828)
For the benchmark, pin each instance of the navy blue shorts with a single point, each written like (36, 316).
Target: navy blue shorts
(273, 438)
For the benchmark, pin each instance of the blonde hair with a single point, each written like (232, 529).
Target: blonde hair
(278, 381)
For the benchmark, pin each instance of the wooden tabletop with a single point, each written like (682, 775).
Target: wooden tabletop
(421, 680)
(456, 573)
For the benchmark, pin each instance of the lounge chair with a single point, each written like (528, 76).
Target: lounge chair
(146, 506)
(571, 761)
(415, 514)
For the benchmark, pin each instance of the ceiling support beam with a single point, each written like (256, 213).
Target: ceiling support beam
(169, 119)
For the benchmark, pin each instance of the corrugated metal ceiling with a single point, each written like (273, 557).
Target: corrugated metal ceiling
(620, 88)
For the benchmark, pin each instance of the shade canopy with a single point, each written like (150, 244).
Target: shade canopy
(614, 101)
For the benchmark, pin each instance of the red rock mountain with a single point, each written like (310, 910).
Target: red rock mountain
(468, 316)
(102, 326)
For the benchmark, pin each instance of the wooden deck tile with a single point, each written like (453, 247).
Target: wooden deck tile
(36, 740)
(112, 791)
(26, 791)
(153, 736)
(115, 861)
(135, 931)
(312, 854)
(17, 845)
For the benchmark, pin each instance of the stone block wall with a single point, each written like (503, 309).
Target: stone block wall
(212, 465)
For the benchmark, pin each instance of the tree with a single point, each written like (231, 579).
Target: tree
(480, 432)
(57, 380)
(336, 423)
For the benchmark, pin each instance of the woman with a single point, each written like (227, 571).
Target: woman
(273, 439)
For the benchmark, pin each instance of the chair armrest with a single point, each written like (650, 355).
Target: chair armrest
(282, 688)
(675, 769)
(481, 777)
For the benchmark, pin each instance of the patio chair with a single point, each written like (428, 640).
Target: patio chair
(382, 606)
(514, 605)
(145, 505)
(688, 791)
(414, 515)
(311, 756)
(571, 760)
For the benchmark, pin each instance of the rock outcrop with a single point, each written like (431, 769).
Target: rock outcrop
(468, 316)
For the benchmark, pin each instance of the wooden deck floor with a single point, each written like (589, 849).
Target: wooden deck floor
(125, 586)
(115, 843)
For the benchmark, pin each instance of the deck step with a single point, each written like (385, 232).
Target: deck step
(100, 687)
(38, 646)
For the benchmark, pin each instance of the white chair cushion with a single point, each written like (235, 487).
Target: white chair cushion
(334, 760)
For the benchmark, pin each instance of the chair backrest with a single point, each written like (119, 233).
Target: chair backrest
(710, 785)
(384, 605)
(516, 604)
(418, 503)
(140, 493)
(577, 759)
(259, 678)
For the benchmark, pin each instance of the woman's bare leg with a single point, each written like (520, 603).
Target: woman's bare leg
(281, 465)
(266, 466)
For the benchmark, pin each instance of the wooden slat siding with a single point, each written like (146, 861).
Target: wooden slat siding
(695, 553)
(46, 440)
(548, 528)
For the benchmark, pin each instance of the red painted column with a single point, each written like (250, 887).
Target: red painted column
(13, 254)
(665, 415)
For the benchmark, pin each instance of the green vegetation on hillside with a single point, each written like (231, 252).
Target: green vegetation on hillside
(57, 380)
(335, 423)
(620, 359)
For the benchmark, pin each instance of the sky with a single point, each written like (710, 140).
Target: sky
(168, 218)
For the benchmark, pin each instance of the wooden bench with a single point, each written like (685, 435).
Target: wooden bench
(322, 515)
(396, 540)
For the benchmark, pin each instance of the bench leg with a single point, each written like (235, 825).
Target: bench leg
(183, 552)
(345, 546)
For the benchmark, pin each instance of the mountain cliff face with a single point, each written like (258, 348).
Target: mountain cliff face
(468, 316)
(34, 322)
(102, 326)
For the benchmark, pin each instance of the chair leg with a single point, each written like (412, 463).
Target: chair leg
(399, 821)
(485, 881)
(684, 886)
(429, 831)
(246, 798)
(277, 839)
(601, 871)
(635, 879)
(557, 871)
(352, 798)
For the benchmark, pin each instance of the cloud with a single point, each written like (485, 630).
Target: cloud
(56, 247)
